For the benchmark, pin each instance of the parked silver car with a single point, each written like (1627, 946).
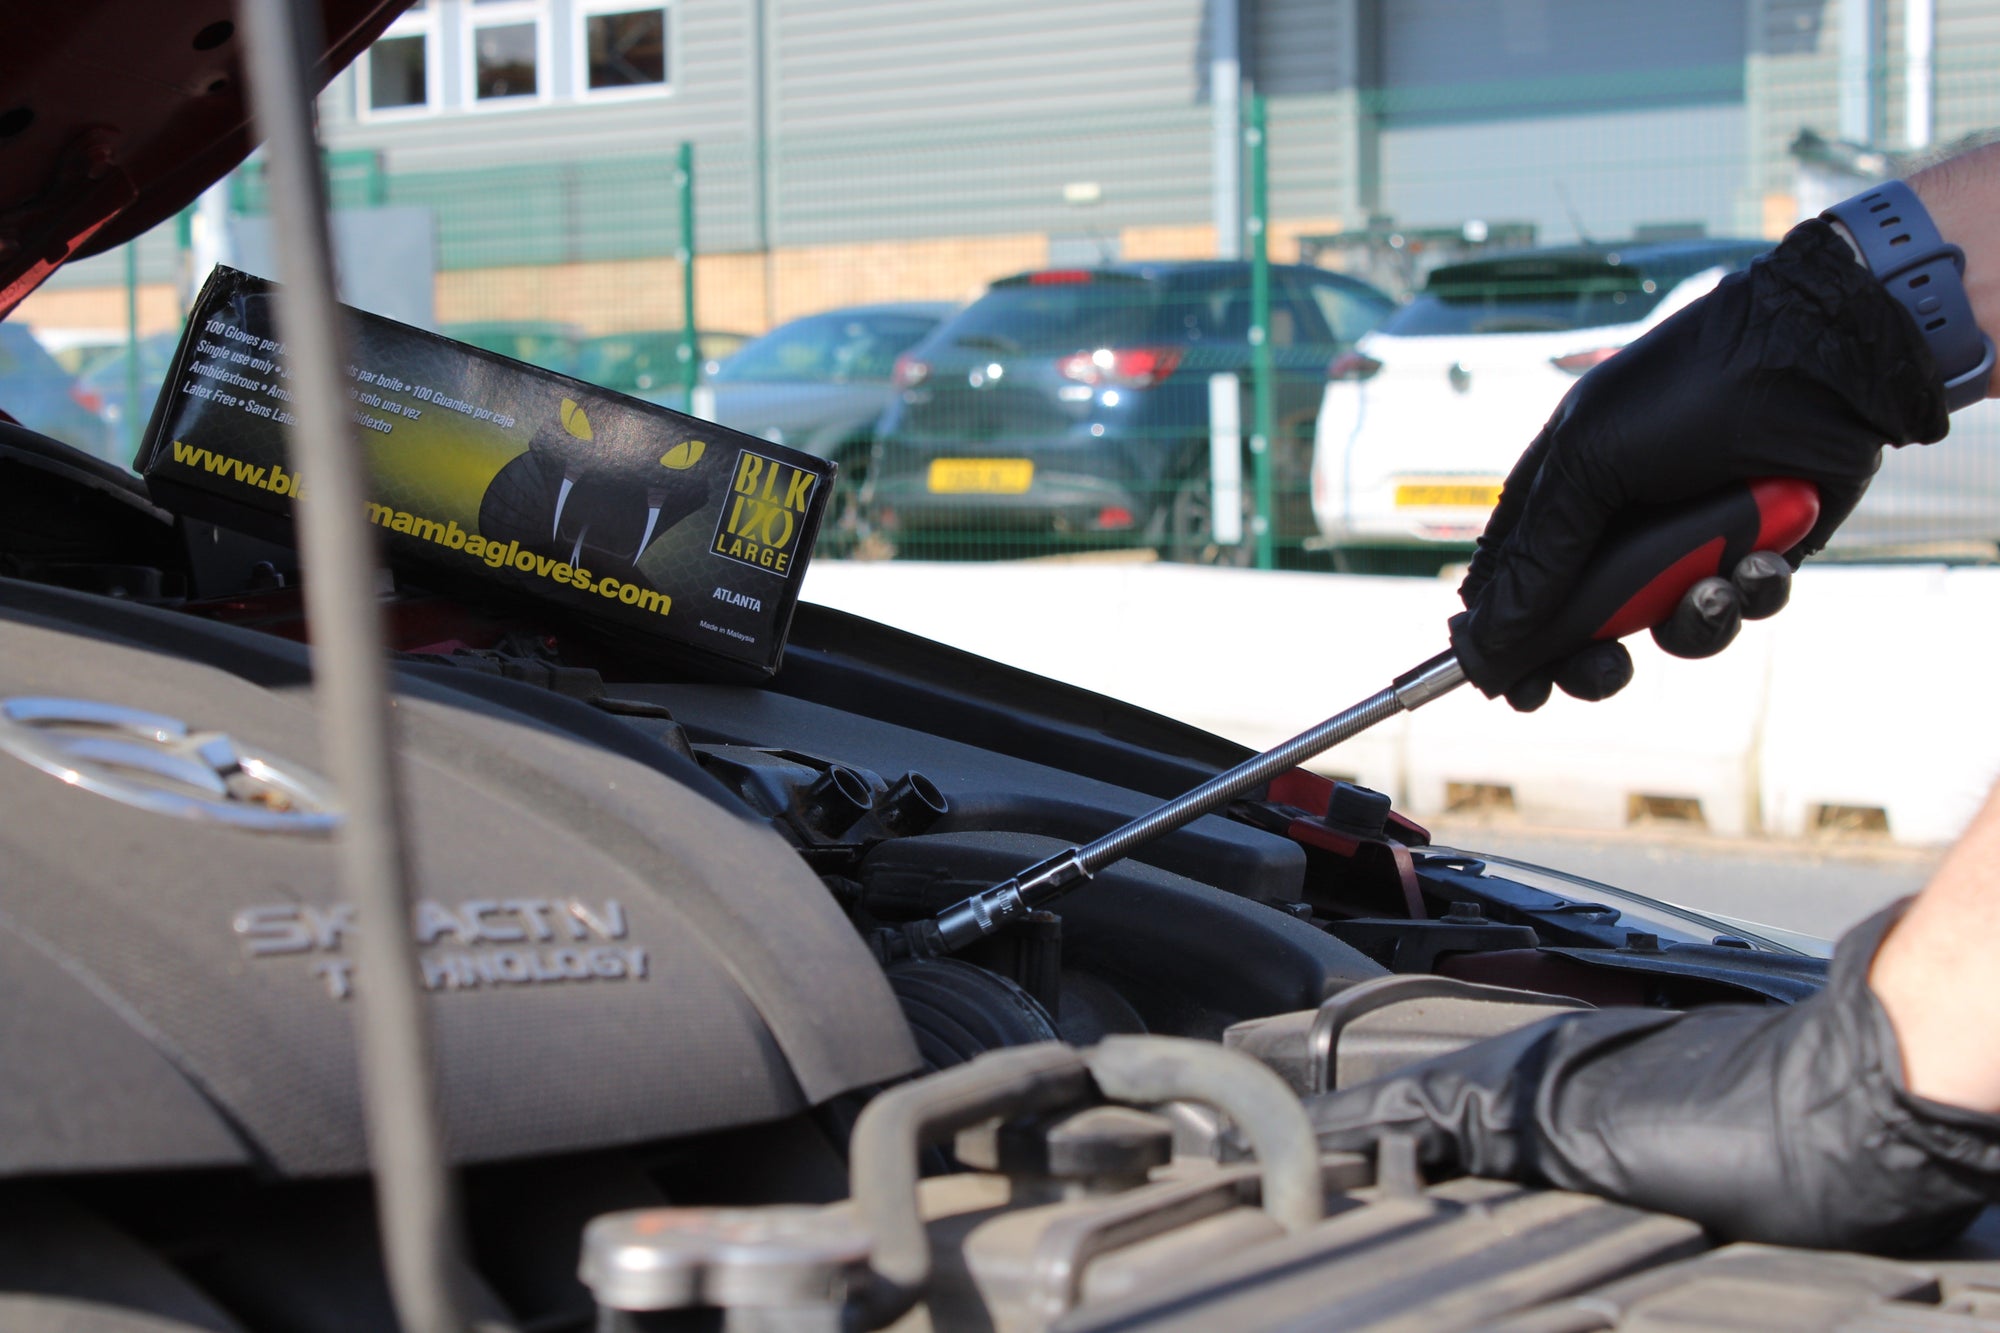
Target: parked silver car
(819, 383)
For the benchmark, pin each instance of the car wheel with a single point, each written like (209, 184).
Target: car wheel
(841, 531)
(1189, 536)
(848, 530)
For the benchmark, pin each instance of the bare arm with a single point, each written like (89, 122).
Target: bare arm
(1963, 196)
(1938, 973)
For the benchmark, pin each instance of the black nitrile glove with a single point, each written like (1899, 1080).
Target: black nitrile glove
(1800, 366)
(1789, 1126)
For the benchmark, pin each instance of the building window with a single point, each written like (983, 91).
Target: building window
(396, 76)
(505, 44)
(467, 55)
(624, 47)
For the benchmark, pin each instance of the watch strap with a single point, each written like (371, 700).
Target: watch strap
(1925, 274)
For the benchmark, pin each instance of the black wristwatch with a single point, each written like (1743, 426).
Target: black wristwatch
(1902, 248)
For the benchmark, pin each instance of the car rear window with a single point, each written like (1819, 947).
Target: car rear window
(21, 355)
(828, 349)
(1048, 313)
(156, 354)
(1551, 294)
(642, 362)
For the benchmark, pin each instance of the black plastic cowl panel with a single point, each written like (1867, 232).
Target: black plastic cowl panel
(987, 791)
(756, 998)
(864, 667)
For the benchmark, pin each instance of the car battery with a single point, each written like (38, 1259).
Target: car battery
(491, 476)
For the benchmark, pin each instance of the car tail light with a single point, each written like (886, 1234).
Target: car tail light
(1578, 362)
(1121, 367)
(1058, 277)
(1352, 366)
(92, 403)
(910, 372)
(1114, 517)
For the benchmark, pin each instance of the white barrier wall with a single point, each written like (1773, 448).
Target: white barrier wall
(1885, 692)
(1876, 689)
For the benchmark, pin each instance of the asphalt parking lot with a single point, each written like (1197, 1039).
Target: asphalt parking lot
(1813, 887)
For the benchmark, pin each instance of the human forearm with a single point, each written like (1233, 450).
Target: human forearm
(1962, 195)
(1938, 974)
(1935, 974)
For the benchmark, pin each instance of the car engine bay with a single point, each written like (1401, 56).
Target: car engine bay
(689, 1072)
(656, 921)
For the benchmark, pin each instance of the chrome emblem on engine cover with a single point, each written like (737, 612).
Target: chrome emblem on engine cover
(543, 941)
(161, 764)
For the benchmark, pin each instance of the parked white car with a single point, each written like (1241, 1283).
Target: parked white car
(1940, 500)
(1420, 423)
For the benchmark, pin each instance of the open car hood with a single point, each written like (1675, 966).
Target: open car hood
(659, 932)
(117, 113)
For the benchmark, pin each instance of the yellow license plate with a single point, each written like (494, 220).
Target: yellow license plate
(1448, 495)
(981, 476)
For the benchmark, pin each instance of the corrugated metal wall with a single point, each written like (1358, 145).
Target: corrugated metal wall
(1304, 55)
(1792, 82)
(1967, 67)
(888, 119)
(1568, 114)
(1082, 120)
(895, 118)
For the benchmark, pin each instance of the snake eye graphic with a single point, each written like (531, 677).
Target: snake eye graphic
(574, 421)
(683, 455)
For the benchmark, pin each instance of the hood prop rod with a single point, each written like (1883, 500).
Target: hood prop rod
(416, 1207)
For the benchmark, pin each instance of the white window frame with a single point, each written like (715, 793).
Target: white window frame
(416, 23)
(582, 12)
(473, 17)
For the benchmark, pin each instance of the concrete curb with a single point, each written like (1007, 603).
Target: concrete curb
(1873, 693)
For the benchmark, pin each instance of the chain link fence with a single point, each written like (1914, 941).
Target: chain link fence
(1017, 334)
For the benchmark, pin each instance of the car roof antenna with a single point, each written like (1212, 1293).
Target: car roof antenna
(416, 1208)
(1575, 218)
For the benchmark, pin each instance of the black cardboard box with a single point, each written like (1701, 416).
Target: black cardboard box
(637, 519)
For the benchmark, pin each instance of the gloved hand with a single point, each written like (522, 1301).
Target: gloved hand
(1801, 366)
(1784, 1125)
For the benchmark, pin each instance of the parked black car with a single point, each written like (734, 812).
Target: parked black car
(1074, 404)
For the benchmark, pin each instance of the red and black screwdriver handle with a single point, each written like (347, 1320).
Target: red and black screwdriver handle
(1645, 565)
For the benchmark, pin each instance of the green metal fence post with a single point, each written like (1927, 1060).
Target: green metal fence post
(689, 352)
(134, 420)
(184, 259)
(1260, 332)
